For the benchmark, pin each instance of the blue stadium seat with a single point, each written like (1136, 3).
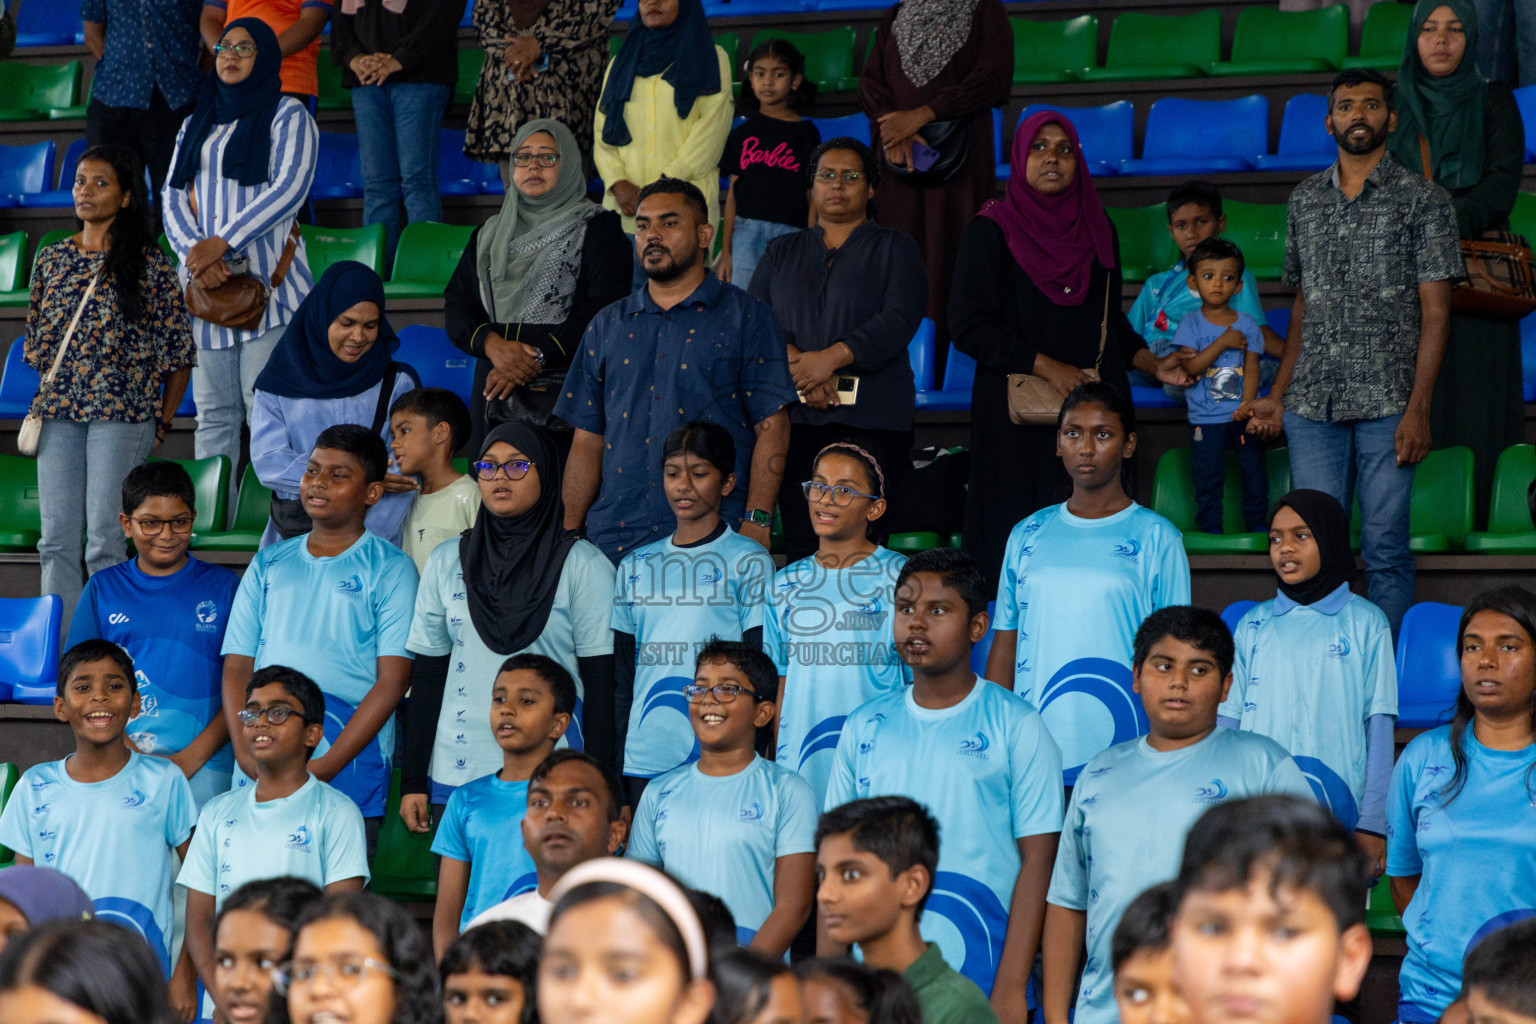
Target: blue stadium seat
(436, 361)
(984, 647)
(458, 175)
(1234, 612)
(920, 351)
(1528, 357)
(959, 374)
(1428, 666)
(49, 23)
(29, 647)
(25, 170)
(1106, 134)
(854, 126)
(338, 168)
(467, 21)
(1305, 144)
(17, 384)
(64, 195)
(1525, 99)
(755, 8)
(1202, 136)
(1279, 320)
(1145, 397)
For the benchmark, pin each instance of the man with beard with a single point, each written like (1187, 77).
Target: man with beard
(573, 816)
(685, 346)
(1371, 249)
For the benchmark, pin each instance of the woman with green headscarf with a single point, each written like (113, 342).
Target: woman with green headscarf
(1476, 148)
(531, 279)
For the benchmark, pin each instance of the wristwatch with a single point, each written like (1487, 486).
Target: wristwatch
(757, 517)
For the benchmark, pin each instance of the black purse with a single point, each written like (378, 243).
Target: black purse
(534, 403)
(953, 141)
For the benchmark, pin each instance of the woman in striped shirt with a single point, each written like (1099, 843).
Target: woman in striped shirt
(243, 166)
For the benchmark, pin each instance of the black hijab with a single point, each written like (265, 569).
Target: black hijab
(682, 53)
(512, 566)
(253, 103)
(302, 364)
(1325, 517)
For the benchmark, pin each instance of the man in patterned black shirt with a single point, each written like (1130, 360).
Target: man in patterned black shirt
(1372, 250)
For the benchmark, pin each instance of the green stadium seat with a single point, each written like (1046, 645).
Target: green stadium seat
(471, 60)
(1259, 230)
(1383, 37)
(912, 543)
(1053, 51)
(21, 522)
(13, 269)
(1522, 219)
(1440, 510)
(49, 237)
(425, 259)
(1145, 46)
(403, 867)
(168, 249)
(730, 42)
(1272, 42)
(828, 55)
(1380, 913)
(210, 482)
(251, 510)
(324, 246)
(332, 94)
(1146, 247)
(74, 111)
(1510, 531)
(9, 774)
(29, 91)
(1173, 498)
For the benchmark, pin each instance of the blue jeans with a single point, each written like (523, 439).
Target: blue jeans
(398, 125)
(1360, 456)
(223, 386)
(80, 470)
(1208, 447)
(748, 241)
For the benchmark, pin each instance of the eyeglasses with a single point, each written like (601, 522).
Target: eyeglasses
(241, 50)
(725, 693)
(345, 973)
(846, 177)
(842, 496)
(277, 714)
(153, 527)
(516, 469)
(544, 159)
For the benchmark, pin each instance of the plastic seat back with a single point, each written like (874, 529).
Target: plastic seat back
(920, 351)
(338, 167)
(9, 773)
(1522, 219)
(253, 504)
(457, 173)
(471, 61)
(210, 482)
(1165, 40)
(1106, 133)
(730, 42)
(48, 23)
(1053, 50)
(29, 646)
(13, 261)
(26, 169)
(403, 866)
(1233, 613)
(828, 55)
(959, 371)
(1145, 245)
(1383, 36)
(1302, 128)
(428, 252)
(1428, 665)
(332, 94)
(38, 87)
(984, 647)
(854, 126)
(17, 386)
(1259, 230)
(1207, 128)
(324, 246)
(436, 361)
(1508, 511)
(1266, 34)
(1442, 502)
(1173, 488)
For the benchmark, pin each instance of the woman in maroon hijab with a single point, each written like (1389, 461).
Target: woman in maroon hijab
(1029, 296)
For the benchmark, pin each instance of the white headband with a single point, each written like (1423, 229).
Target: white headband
(654, 886)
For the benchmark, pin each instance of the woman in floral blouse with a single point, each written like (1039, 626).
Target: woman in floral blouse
(122, 376)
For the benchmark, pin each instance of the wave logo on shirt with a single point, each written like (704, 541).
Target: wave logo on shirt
(1088, 706)
(1212, 793)
(711, 576)
(352, 585)
(752, 815)
(822, 737)
(299, 840)
(1249, 705)
(48, 834)
(1129, 551)
(135, 917)
(134, 800)
(1331, 791)
(668, 696)
(526, 882)
(867, 616)
(1493, 924)
(973, 910)
(976, 746)
(1339, 650)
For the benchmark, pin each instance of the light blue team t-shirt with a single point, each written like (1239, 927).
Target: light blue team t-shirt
(1473, 856)
(315, 833)
(725, 833)
(1309, 677)
(116, 838)
(989, 771)
(1166, 299)
(483, 826)
(173, 627)
(829, 633)
(464, 748)
(1077, 590)
(1219, 390)
(332, 619)
(673, 599)
(1125, 828)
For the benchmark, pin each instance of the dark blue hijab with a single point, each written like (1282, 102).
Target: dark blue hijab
(683, 54)
(303, 365)
(253, 103)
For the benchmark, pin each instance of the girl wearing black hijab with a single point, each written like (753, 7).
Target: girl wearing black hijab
(514, 583)
(1314, 668)
(243, 166)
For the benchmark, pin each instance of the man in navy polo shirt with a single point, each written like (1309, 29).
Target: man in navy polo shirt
(684, 347)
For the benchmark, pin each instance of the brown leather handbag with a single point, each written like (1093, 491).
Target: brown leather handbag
(239, 303)
(1501, 271)
(1034, 401)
